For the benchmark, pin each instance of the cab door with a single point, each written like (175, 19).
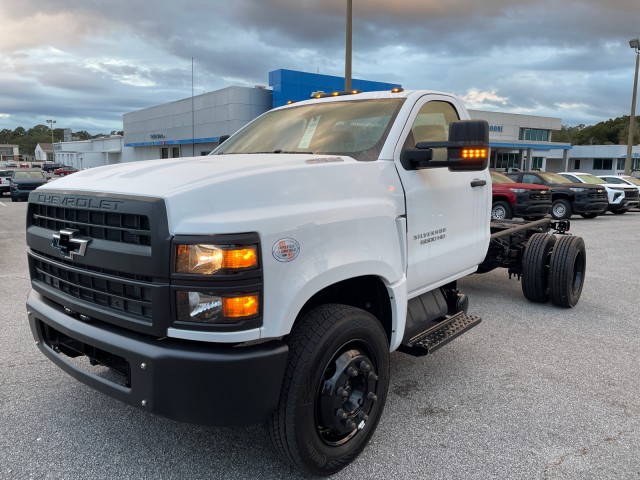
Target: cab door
(448, 213)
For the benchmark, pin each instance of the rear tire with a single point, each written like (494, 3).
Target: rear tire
(334, 390)
(619, 211)
(535, 267)
(589, 215)
(501, 210)
(561, 209)
(567, 269)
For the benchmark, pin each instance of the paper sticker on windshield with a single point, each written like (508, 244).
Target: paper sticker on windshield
(285, 250)
(308, 133)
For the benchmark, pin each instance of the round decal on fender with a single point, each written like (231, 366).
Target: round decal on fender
(285, 250)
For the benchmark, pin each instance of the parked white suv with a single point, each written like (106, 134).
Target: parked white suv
(622, 180)
(621, 197)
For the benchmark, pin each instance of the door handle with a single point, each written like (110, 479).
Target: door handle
(476, 182)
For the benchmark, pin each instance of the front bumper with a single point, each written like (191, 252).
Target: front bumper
(182, 380)
(586, 205)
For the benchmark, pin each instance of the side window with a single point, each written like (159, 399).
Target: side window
(531, 179)
(432, 125)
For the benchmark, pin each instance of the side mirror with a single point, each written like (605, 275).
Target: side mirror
(467, 148)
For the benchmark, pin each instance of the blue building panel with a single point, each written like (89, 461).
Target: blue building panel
(294, 85)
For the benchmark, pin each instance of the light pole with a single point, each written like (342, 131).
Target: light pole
(635, 43)
(51, 122)
(347, 53)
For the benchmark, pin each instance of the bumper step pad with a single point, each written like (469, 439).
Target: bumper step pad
(440, 334)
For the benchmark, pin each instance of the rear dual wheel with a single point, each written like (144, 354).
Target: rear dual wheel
(554, 268)
(334, 390)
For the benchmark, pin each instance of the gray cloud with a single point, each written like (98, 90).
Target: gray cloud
(87, 63)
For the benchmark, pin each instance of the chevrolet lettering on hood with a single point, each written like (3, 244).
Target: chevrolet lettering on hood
(79, 202)
(69, 243)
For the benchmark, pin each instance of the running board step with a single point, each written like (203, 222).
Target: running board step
(440, 334)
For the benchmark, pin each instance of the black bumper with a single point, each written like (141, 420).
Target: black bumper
(526, 209)
(590, 206)
(194, 382)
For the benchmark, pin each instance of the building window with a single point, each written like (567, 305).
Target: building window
(621, 164)
(164, 152)
(576, 164)
(507, 160)
(534, 134)
(635, 164)
(204, 154)
(175, 152)
(536, 163)
(602, 163)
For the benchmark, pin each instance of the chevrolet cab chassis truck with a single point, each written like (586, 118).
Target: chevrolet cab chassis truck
(269, 281)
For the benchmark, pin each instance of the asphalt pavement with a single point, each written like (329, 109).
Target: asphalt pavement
(533, 392)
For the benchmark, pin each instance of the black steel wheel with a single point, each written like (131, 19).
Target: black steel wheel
(535, 267)
(567, 271)
(334, 390)
(501, 210)
(561, 209)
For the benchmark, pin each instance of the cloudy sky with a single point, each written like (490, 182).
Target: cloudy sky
(86, 62)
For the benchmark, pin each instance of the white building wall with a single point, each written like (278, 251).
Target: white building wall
(84, 154)
(204, 118)
(581, 158)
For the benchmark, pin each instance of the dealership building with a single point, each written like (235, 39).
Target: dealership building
(193, 126)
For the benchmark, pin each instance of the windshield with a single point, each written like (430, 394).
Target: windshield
(500, 178)
(26, 175)
(591, 179)
(554, 177)
(633, 180)
(356, 128)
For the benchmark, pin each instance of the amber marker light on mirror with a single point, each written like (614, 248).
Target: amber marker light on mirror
(474, 153)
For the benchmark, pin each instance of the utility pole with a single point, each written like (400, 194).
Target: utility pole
(347, 53)
(51, 122)
(635, 43)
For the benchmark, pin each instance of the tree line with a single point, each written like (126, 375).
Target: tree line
(27, 140)
(610, 132)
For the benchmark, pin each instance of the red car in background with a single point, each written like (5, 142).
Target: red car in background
(512, 199)
(62, 171)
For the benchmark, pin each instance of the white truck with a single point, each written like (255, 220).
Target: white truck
(269, 281)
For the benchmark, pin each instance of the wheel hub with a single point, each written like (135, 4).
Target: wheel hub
(347, 396)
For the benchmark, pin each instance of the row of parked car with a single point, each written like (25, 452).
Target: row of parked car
(18, 183)
(534, 194)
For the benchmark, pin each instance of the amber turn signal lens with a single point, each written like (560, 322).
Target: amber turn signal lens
(235, 307)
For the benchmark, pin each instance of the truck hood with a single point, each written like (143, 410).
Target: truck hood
(233, 191)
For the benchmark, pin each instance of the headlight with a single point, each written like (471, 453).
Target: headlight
(207, 307)
(518, 190)
(577, 189)
(205, 259)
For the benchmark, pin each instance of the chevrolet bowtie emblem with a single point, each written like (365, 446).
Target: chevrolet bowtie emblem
(69, 243)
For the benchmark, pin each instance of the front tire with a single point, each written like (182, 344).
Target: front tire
(561, 209)
(501, 210)
(334, 390)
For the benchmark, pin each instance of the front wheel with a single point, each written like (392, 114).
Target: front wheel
(561, 209)
(501, 210)
(334, 390)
